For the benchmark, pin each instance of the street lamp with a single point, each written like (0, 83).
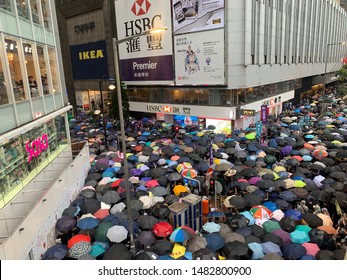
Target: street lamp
(121, 120)
(326, 61)
(102, 108)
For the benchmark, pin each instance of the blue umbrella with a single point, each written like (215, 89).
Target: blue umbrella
(293, 251)
(87, 223)
(211, 227)
(65, 223)
(215, 214)
(270, 247)
(97, 250)
(307, 158)
(307, 257)
(257, 250)
(249, 216)
(288, 196)
(294, 214)
(56, 252)
(299, 237)
(181, 234)
(270, 205)
(214, 241)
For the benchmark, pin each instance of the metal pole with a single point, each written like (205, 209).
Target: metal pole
(124, 151)
(325, 67)
(103, 113)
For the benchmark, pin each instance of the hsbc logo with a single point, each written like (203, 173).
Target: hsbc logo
(140, 7)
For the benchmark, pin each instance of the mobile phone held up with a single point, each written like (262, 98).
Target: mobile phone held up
(179, 12)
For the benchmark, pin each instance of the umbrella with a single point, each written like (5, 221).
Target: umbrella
(214, 241)
(65, 223)
(146, 222)
(270, 226)
(294, 214)
(162, 246)
(311, 248)
(260, 212)
(196, 243)
(146, 238)
(299, 237)
(205, 254)
(100, 233)
(236, 250)
(80, 249)
(97, 250)
(270, 247)
(237, 202)
(55, 252)
(117, 252)
(110, 197)
(211, 227)
(145, 255)
(237, 221)
(162, 229)
(178, 251)
(312, 219)
(87, 222)
(182, 234)
(257, 250)
(117, 233)
(293, 251)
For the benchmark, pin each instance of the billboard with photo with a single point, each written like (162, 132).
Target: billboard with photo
(149, 57)
(197, 15)
(199, 58)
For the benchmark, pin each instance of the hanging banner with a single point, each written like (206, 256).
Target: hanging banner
(199, 58)
(197, 15)
(264, 113)
(146, 58)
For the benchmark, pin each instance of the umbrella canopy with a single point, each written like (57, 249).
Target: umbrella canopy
(55, 252)
(182, 234)
(117, 233)
(162, 229)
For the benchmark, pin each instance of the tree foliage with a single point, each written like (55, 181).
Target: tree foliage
(113, 104)
(342, 73)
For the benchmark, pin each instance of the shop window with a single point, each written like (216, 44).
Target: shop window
(29, 63)
(6, 5)
(11, 46)
(54, 70)
(22, 8)
(43, 69)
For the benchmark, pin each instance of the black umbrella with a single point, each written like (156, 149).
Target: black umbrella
(236, 250)
(157, 172)
(93, 177)
(273, 238)
(175, 177)
(65, 223)
(253, 199)
(320, 195)
(238, 202)
(257, 231)
(117, 251)
(171, 198)
(146, 222)
(205, 254)
(248, 172)
(146, 237)
(163, 246)
(325, 255)
(90, 206)
(146, 254)
(237, 221)
(319, 237)
(160, 210)
(288, 224)
(110, 197)
(312, 219)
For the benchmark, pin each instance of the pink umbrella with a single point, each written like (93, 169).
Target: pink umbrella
(152, 183)
(254, 180)
(311, 248)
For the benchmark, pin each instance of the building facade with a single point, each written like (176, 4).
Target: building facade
(35, 147)
(243, 54)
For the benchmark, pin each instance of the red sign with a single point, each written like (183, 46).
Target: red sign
(36, 147)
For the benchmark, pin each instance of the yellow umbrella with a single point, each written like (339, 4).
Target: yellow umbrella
(299, 184)
(330, 126)
(336, 142)
(216, 161)
(276, 176)
(183, 165)
(179, 189)
(289, 183)
(279, 168)
(178, 251)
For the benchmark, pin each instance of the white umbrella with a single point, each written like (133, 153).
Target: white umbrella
(147, 201)
(318, 179)
(117, 234)
(117, 208)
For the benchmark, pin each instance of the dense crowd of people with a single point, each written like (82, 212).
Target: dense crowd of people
(283, 193)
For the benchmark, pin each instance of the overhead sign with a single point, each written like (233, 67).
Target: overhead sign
(248, 113)
(146, 58)
(89, 61)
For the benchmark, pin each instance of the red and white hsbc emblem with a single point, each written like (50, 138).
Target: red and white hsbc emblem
(167, 109)
(140, 7)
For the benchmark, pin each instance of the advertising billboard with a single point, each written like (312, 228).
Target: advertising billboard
(89, 61)
(149, 57)
(200, 59)
(197, 15)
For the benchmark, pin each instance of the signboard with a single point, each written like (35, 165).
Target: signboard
(199, 58)
(197, 15)
(146, 58)
(264, 113)
(259, 129)
(248, 113)
(89, 61)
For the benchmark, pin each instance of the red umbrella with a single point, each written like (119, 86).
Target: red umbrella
(152, 183)
(311, 248)
(116, 183)
(162, 229)
(320, 154)
(78, 238)
(101, 213)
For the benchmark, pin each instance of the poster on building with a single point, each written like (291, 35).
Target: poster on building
(144, 58)
(197, 15)
(199, 58)
(264, 111)
(89, 61)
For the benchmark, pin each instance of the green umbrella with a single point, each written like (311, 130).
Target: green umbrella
(101, 231)
(270, 226)
(270, 159)
(250, 136)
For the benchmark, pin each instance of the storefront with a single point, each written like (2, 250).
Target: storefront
(26, 155)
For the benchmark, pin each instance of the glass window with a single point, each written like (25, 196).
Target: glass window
(15, 70)
(54, 70)
(7, 5)
(61, 130)
(43, 69)
(45, 13)
(29, 63)
(22, 8)
(34, 11)
(3, 92)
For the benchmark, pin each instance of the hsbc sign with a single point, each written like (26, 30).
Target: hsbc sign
(133, 18)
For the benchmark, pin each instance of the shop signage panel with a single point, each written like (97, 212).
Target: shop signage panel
(199, 58)
(89, 61)
(147, 58)
(248, 113)
(36, 147)
(197, 15)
